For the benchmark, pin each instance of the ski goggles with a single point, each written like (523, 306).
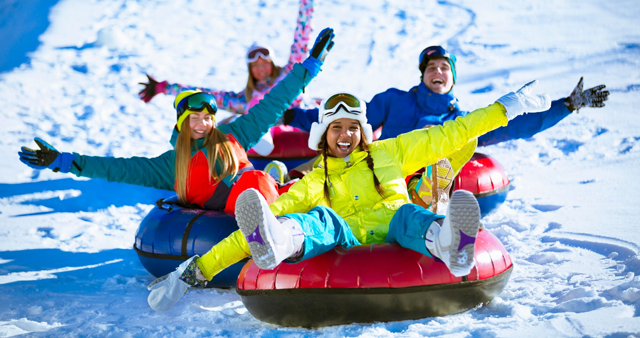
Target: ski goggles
(348, 102)
(433, 51)
(197, 102)
(260, 52)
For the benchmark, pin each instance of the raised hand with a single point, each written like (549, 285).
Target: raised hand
(46, 157)
(525, 101)
(152, 88)
(323, 44)
(592, 97)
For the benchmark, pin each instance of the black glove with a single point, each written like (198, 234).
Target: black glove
(323, 44)
(592, 97)
(47, 157)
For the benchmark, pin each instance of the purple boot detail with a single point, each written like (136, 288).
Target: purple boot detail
(255, 236)
(465, 240)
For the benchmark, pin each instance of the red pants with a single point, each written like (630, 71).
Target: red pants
(258, 180)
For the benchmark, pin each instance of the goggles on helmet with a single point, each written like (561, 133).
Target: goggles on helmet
(260, 52)
(197, 102)
(348, 102)
(432, 51)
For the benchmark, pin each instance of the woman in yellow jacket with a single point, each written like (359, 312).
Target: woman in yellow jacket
(356, 195)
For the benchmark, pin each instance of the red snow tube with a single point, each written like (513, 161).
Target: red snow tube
(371, 283)
(486, 179)
(290, 146)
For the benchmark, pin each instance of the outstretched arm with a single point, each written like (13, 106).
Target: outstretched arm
(156, 172)
(416, 149)
(528, 125)
(419, 148)
(149, 172)
(300, 46)
(235, 102)
(248, 129)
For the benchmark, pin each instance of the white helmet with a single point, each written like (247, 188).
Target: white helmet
(338, 106)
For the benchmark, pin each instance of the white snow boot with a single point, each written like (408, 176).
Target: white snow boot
(278, 171)
(454, 241)
(168, 289)
(271, 240)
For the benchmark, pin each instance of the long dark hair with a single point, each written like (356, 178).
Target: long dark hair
(364, 145)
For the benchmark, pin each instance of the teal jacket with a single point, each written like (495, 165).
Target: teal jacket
(159, 172)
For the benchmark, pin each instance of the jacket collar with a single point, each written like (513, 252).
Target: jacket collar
(339, 165)
(433, 102)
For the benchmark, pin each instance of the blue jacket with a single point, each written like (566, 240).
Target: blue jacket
(403, 111)
(159, 172)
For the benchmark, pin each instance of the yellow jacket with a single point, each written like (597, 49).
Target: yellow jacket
(353, 195)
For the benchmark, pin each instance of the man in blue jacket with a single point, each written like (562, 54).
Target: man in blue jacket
(432, 102)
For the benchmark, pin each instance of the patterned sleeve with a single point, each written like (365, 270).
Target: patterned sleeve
(300, 48)
(235, 102)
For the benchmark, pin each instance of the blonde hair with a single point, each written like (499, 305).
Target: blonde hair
(251, 82)
(216, 144)
(364, 145)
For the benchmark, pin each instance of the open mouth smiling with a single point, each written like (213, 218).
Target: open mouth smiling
(344, 146)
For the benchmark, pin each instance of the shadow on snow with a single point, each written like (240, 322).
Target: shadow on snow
(94, 194)
(21, 24)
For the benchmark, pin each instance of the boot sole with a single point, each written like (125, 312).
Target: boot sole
(251, 219)
(464, 213)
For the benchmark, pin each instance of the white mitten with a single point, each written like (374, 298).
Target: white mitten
(524, 101)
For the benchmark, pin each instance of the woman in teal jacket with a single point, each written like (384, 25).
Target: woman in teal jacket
(209, 165)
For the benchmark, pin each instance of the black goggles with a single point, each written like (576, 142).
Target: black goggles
(433, 51)
(197, 102)
(261, 52)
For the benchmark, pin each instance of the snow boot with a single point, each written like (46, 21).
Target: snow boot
(278, 171)
(168, 289)
(434, 198)
(454, 241)
(271, 240)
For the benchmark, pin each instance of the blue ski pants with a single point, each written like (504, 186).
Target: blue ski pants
(324, 229)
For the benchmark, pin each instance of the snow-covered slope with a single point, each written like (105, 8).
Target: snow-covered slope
(570, 223)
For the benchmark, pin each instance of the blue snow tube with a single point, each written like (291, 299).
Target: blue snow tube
(171, 234)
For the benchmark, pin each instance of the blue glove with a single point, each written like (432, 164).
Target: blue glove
(322, 46)
(46, 157)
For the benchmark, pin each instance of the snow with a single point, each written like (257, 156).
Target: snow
(69, 74)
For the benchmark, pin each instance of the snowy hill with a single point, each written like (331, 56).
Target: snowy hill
(69, 73)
